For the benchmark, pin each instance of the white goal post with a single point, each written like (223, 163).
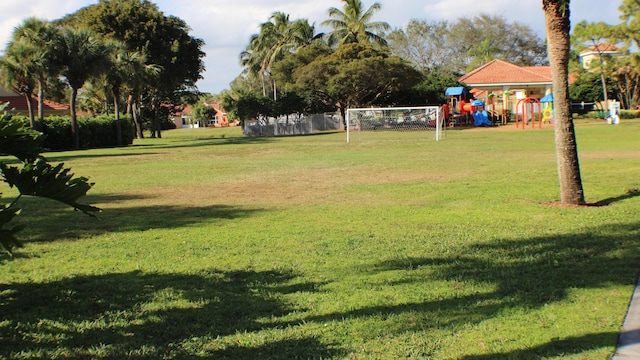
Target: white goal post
(396, 119)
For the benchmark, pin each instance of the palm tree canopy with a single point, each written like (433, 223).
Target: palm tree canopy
(353, 24)
(81, 55)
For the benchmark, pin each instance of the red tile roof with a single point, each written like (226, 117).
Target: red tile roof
(19, 103)
(601, 48)
(504, 73)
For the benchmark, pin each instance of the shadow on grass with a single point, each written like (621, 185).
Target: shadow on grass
(564, 347)
(146, 149)
(525, 274)
(47, 220)
(631, 193)
(152, 316)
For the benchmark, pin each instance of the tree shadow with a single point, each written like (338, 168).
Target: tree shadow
(631, 193)
(522, 275)
(152, 316)
(47, 220)
(147, 149)
(556, 347)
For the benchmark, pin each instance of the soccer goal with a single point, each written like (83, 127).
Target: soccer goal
(397, 123)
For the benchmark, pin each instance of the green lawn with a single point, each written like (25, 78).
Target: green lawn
(215, 246)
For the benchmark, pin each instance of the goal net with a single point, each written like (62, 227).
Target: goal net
(397, 123)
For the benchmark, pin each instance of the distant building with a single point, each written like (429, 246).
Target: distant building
(595, 52)
(184, 119)
(18, 104)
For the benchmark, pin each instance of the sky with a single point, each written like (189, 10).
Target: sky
(227, 25)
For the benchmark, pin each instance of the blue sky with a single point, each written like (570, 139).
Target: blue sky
(226, 25)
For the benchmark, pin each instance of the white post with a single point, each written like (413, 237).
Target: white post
(438, 125)
(347, 120)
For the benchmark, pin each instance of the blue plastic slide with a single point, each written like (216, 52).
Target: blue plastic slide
(481, 118)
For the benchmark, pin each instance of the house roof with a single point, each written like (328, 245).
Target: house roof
(600, 48)
(19, 103)
(499, 72)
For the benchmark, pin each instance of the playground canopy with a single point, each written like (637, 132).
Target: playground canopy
(547, 98)
(455, 91)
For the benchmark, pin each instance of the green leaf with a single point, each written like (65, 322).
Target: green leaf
(8, 239)
(39, 178)
(16, 139)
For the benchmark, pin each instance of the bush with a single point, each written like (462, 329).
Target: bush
(629, 114)
(95, 132)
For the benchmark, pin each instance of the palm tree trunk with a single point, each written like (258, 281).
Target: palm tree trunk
(40, 105)
(558, 27)
(116, 114)
(32, 120)
(74, 121)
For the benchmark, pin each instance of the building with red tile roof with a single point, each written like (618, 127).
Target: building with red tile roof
(499, 75)
(18, 104)
(596, 51)
(502, 85)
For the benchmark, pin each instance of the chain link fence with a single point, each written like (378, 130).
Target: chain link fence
(296, 124)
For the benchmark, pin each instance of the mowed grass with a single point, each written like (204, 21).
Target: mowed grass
(216, 246)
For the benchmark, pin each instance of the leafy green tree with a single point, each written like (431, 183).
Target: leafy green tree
(202, 112)
(596, 36)
(356, 76)
(34, 176)
(425, 44)
(353, 24)
(164, 40)
(558, 35)
(455, 47)
(80, 55)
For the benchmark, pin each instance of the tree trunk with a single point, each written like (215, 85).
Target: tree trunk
(74, 121)
(558, 27)
(40, 105)
(32, 122)
(136, 121)
(116, 114)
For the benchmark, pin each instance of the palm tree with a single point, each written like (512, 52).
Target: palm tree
(353, 24)
(38, 33)
(80, 55)
(278, 36)
(558, 39)
(126, 68)
(17, 70)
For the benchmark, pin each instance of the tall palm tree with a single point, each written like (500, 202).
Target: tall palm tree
(278, 36)
(18, 73)
(40, 34)
(125, 68)
(80, 55)
(353, 24)
(558, 41)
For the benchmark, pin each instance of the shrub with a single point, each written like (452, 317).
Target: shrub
(629, 114)
(95, 132)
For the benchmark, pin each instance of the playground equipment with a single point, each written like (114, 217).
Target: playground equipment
(479, 114)
(547, 110)
(525, 109)
(457, 105)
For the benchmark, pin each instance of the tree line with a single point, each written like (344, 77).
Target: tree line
(288, 67)
(118, 56)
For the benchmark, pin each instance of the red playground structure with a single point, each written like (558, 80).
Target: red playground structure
(526, 109)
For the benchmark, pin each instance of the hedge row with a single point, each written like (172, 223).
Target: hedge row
(624, 114)
(95, 132)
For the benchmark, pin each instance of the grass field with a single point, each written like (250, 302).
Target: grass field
(215, 246)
